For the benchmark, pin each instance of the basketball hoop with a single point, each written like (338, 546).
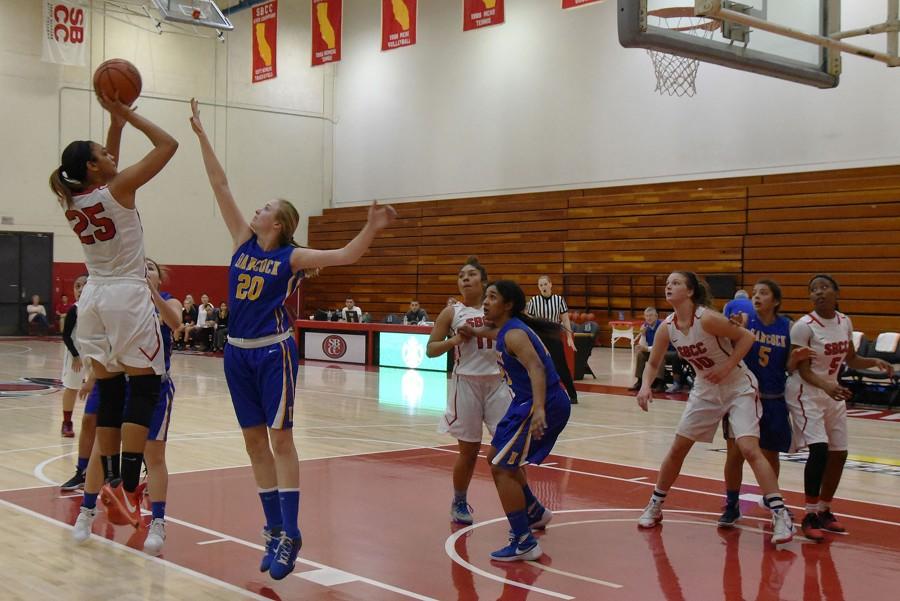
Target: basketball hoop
(676, 75)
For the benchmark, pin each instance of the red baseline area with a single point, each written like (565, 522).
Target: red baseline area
(376, 527)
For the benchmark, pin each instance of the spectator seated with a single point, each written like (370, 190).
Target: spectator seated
(873, 386)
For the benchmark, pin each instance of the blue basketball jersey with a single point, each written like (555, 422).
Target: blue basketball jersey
(515, 373)
(768, 357)
(166, 334)
(258, 284)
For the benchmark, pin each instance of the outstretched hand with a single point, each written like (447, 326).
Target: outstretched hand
(196, 125)
(381, 216)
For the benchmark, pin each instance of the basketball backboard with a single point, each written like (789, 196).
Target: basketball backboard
(193, 12)
(660, 25)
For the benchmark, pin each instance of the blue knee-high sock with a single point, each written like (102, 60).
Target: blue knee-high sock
(90, 500)
(159, 510)
(518, 521)
(529, 496)
(290, 511)
(82, 464)
(271, 508)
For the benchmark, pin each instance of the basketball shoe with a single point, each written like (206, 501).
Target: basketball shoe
(811, 527)
(539, 518)
(730, 516)
(83, 523)
(652, 515)
(522, 548)
(285, 557)
(461, 513)
(271, 537)
(156, 537)
(783, 526)
(830, 523)
(76, 482)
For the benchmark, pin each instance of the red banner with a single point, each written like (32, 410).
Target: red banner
(577, 3)
(482, 13)
(327, 18)
(398, 23)
(265, 34)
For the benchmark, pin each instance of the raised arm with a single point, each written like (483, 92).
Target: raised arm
(234, 220)
(379, 218)
(114, 136)
(126, 182)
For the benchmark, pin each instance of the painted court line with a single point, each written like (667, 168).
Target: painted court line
(450, 549)
(328, 576)
(168, 564)
(707, 478)
(575, 576)
(600, 436)
(300, 560)
(213, 542)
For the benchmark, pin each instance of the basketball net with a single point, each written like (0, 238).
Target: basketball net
(676, 75)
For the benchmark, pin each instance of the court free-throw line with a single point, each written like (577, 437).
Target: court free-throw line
(168, 564)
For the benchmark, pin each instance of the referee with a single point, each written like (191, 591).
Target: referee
(552, 307)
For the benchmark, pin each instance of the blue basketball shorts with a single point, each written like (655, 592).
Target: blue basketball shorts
(261, 382)
(774, 426)
(162, 413)
(512, 440)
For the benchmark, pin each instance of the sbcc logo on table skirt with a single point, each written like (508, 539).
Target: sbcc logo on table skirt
(334, 346)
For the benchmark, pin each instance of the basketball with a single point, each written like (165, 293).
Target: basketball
(118, 75)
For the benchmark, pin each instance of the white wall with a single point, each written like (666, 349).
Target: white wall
(272, 137)
(550, 100)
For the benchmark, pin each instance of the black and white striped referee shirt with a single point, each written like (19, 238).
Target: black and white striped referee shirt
(547, 307)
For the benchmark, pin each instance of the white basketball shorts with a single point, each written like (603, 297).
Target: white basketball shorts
(118, 325)
(473, 401)
(708, 403)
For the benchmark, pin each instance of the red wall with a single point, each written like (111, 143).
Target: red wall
(183, 279)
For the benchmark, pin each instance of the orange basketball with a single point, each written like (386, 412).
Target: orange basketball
(118, 75)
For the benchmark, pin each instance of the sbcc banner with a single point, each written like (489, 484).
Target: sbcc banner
(265, 36)
(398, 23)
(327, 16)
(66, 26)
(323, 346)
(482, 13)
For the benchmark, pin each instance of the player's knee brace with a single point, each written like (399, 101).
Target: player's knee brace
(112, 402)
(815, 468)
(144, 394)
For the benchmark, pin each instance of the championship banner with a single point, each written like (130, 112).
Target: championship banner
(265, 35)
(482, 13)
(576, 3)
(66, 32)
(398, 23)
(327, 17)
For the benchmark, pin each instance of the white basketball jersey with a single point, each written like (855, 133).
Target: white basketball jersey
(829, 338)
(475, 356)
(700, 348)
(110, 234)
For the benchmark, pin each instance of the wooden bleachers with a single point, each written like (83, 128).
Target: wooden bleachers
(611, 248)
